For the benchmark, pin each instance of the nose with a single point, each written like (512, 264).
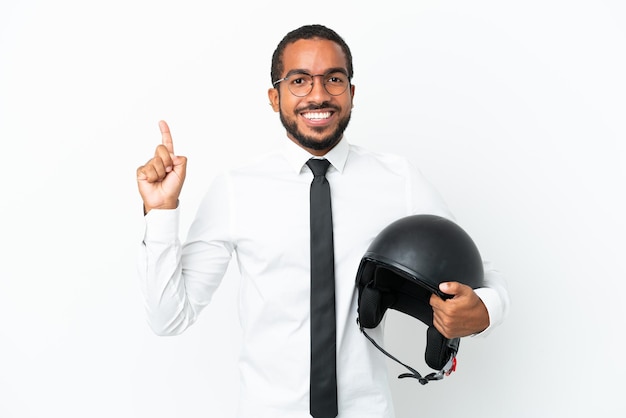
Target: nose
(318, 90)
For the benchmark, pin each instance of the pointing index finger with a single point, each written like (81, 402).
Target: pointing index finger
(166, 136)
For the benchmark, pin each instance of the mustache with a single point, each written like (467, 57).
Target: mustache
(315, 106)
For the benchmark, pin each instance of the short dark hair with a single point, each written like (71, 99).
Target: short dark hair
(308, 32)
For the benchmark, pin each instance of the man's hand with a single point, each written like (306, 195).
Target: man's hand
(161, 179)
(462, 315)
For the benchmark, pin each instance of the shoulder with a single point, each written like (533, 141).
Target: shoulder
(247, 176)
(261, 165)
(393, 163)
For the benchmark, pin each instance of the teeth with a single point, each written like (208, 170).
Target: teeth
(317, 115)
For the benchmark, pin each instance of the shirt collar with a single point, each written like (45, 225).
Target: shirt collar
(298, 156)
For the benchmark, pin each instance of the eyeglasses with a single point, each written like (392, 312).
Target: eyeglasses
(300, 84)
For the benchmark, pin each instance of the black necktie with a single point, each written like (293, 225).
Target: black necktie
(323, 400)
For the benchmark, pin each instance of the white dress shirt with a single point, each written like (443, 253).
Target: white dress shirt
(260, 212)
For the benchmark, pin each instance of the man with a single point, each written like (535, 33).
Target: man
(261, 213)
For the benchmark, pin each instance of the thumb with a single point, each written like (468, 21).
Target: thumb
(179, 161)
(452, 288)
(180, 166)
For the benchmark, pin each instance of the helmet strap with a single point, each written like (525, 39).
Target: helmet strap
(445, 371)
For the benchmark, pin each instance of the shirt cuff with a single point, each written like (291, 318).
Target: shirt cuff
(161, 225)
(495, 308)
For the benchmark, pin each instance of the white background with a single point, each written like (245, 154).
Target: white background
(514, 110)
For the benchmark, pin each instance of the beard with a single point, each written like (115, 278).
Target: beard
(311, 142)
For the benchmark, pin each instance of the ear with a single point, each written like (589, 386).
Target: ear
(352, 88)
(274, 97)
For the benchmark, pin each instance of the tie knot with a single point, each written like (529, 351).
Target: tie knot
(318, 166)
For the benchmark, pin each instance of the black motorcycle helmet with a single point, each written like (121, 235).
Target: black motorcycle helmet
(404, 266)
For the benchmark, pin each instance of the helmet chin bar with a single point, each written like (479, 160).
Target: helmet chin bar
(447, 369)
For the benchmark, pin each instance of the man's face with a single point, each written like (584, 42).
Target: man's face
(316, 121)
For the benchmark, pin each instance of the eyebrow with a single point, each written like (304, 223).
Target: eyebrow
(329, 71)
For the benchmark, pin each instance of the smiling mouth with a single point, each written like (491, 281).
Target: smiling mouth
(317, 115)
